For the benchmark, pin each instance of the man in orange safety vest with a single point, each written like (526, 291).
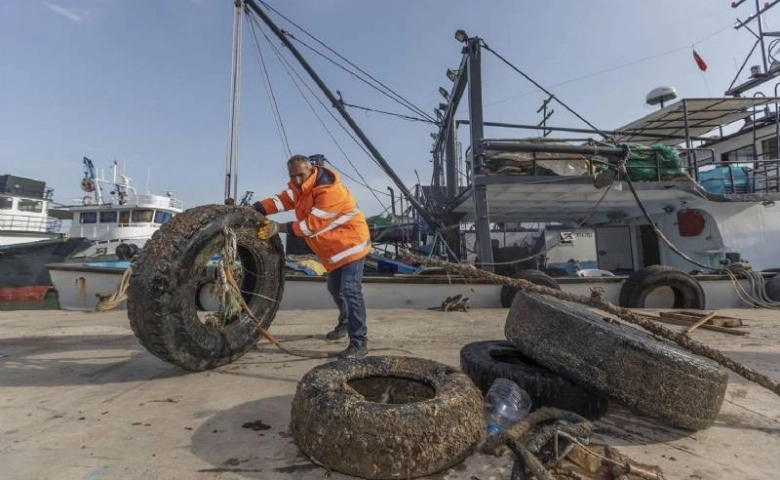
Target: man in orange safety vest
(327, 217)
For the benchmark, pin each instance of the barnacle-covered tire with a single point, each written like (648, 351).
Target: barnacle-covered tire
(162, 300)
(486, 361)
(655, 378)
(341, 426)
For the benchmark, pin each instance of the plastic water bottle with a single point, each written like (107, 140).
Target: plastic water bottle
(505, 404)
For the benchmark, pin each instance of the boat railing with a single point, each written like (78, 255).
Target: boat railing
(159, 201)
(29, 223)
(754, 175)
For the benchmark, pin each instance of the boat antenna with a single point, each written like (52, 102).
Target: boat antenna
(339, 106)
(758, 73)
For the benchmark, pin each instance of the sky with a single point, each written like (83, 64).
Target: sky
(146, 82)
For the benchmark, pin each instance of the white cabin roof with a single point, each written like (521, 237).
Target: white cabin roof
(704, 115)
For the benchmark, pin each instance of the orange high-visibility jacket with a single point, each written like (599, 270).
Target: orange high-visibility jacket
(327, 217)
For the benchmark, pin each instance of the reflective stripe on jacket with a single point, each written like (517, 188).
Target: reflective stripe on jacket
(326, 216)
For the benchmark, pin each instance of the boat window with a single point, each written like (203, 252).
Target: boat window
(124, 218)
(769, 149)
(88, 217)
(26, 205)
(742, 155)
(142, 216)
(161, 217)
(108, 217)
(6, 203)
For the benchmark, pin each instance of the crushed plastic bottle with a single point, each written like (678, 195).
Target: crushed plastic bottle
(505, 404)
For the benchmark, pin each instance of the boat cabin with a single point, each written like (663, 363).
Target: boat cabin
(24, 210)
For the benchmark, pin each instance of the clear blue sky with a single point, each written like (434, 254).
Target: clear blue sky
(146, 81)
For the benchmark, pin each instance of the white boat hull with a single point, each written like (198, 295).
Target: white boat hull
(78, 288)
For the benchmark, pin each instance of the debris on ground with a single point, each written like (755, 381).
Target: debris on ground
(552, 444)
(457, 303)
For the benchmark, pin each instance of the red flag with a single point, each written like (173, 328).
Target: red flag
(699, 62)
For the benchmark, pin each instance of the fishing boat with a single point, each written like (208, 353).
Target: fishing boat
(116, 219)
(29, 238)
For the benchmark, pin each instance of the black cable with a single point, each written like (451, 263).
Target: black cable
(624, 173)
(550, 94)
(400, 98)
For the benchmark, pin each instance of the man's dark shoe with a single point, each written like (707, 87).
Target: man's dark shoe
(339, 332)
(354, 350)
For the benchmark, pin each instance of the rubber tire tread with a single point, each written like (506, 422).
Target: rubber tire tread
(162, 291)
(652, 377)
(688, 292)
(534, 276)
(338, 428)
(483, 363)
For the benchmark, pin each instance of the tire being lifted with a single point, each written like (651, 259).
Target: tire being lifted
(162, 300)
(651, 377)
(485, 361)
(386, 417)
(534, 276)
(688, 292)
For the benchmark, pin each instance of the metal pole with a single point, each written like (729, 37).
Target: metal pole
(451, 162)
(761, 37)
(434, 223)
(482, 223)
(504, 146)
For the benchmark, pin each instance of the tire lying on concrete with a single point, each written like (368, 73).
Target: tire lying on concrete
(534, 276)
(652, 377)
(485, 361)
(162, 297)
(688, 292)
(386, 417)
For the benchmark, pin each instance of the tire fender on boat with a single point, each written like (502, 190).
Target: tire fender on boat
(688, 292)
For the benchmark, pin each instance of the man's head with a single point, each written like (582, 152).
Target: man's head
(299, 168)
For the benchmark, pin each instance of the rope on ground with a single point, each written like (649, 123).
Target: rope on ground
(597, 300)
(119, 296)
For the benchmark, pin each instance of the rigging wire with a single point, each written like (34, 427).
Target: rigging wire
(271, 96)
(617, 67)
(292, 73)
(550, 94)
(413, 108)
(405, 117)
(399, 99)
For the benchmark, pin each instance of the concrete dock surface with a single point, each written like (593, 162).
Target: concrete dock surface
(81, 399)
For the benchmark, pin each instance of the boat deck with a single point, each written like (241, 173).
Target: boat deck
(81, 399)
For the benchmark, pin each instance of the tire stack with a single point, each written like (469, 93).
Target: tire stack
(485, 361)
(652, 377)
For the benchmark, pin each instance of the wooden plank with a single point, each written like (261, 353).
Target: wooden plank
(674, 321)
(690, 317)
(701, 322)
(719, 320)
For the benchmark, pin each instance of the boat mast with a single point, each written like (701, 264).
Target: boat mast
(338, 105)
(231, 154)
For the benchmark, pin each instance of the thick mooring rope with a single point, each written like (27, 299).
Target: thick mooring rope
(597, 300)
(119, 296)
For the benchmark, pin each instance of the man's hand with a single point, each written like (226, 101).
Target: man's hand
(268, 229)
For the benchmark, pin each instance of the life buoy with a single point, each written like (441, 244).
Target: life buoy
(87, 184)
